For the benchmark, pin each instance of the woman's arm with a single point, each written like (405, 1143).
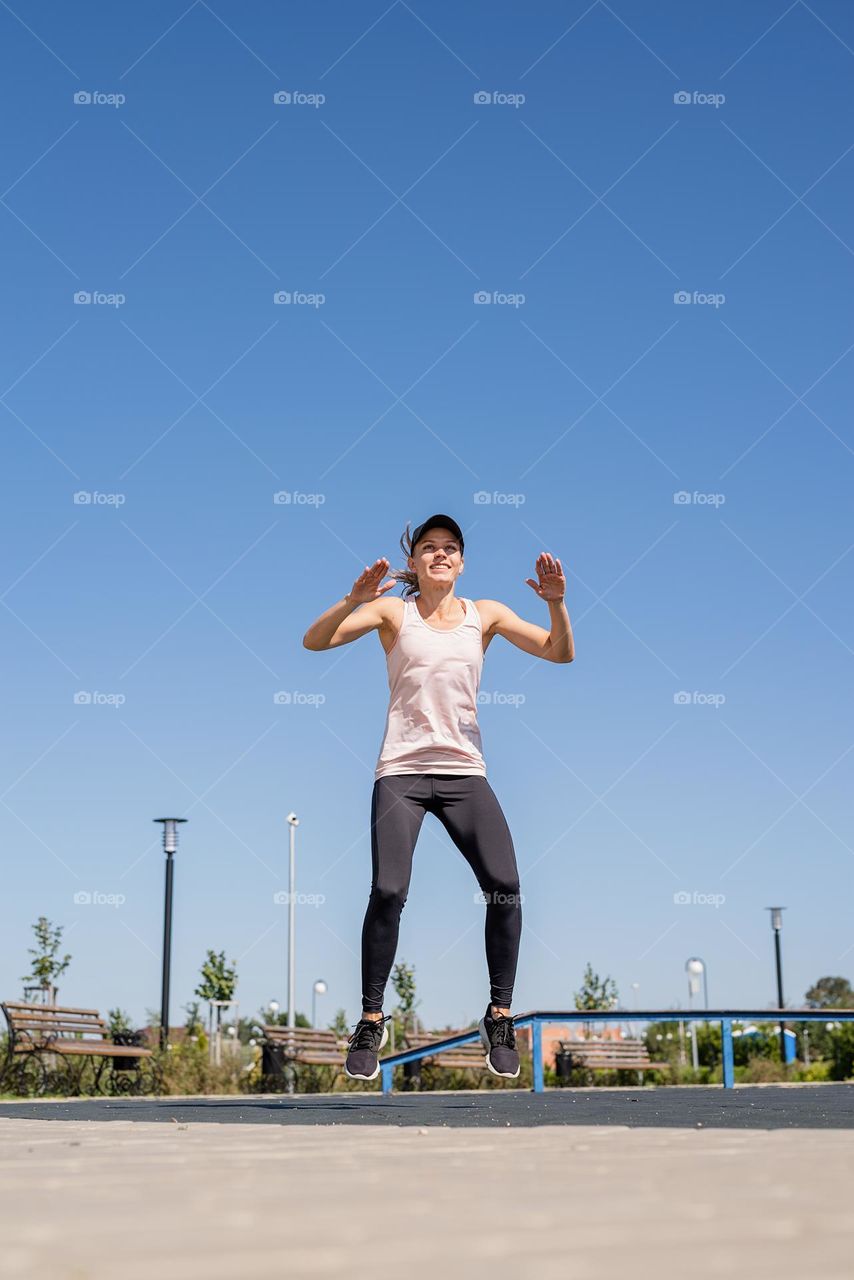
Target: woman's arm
(335, 627)
(556, 644)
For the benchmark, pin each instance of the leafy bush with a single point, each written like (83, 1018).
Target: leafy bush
(842, 1052)
(187, 1069)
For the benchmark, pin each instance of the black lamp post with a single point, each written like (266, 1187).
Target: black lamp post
(777, 926)
(170, 844)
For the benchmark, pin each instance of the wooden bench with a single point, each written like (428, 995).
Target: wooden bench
(41, 1037)
(610, 1055)
(305, 1046)
(461, 1057)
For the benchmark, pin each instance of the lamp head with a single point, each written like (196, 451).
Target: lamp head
(170, 833)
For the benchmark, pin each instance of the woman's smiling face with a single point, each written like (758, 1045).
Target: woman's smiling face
(436, 557)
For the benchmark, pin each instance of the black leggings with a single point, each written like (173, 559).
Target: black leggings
(469, 811)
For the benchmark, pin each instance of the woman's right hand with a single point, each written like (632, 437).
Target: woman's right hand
(367, 586)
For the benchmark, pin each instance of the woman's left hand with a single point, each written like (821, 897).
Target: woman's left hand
(552, 583)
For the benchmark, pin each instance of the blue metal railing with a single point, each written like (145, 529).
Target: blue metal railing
(537, 1019)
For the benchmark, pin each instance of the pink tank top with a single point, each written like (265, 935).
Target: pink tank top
(433, 678)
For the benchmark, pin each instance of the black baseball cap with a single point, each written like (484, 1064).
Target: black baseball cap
(439, 522)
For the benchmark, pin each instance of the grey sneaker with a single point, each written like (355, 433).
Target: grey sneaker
(364, 1045)
(499, 1038)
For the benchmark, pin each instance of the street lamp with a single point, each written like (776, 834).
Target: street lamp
(693, 987)
(293, 823)
(696, 967)
(777, 926)
(319, 989)
(170, 844)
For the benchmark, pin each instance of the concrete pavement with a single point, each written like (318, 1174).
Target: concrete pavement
(182, 1199)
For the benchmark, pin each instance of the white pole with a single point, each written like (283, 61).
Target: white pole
(291, 940)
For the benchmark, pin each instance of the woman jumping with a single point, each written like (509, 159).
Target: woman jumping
(431, 759)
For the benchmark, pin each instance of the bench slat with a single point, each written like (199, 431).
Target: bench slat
(95, 1048)
(54, 1028)
(48, 1008)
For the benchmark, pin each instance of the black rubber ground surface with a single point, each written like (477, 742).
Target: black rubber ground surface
(829, 1106)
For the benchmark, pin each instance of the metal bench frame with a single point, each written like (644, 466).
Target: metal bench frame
(537, 1019)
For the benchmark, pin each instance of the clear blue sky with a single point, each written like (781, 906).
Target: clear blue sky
(182, 591)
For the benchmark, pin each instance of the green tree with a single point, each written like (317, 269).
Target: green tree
(403, 981)
(595, 993)
(218, 981)
(193, 1025)
(827, 993)
(842, 1051)
(831, 993)
(47, 964)
(340, 1025)
(118, 1023)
